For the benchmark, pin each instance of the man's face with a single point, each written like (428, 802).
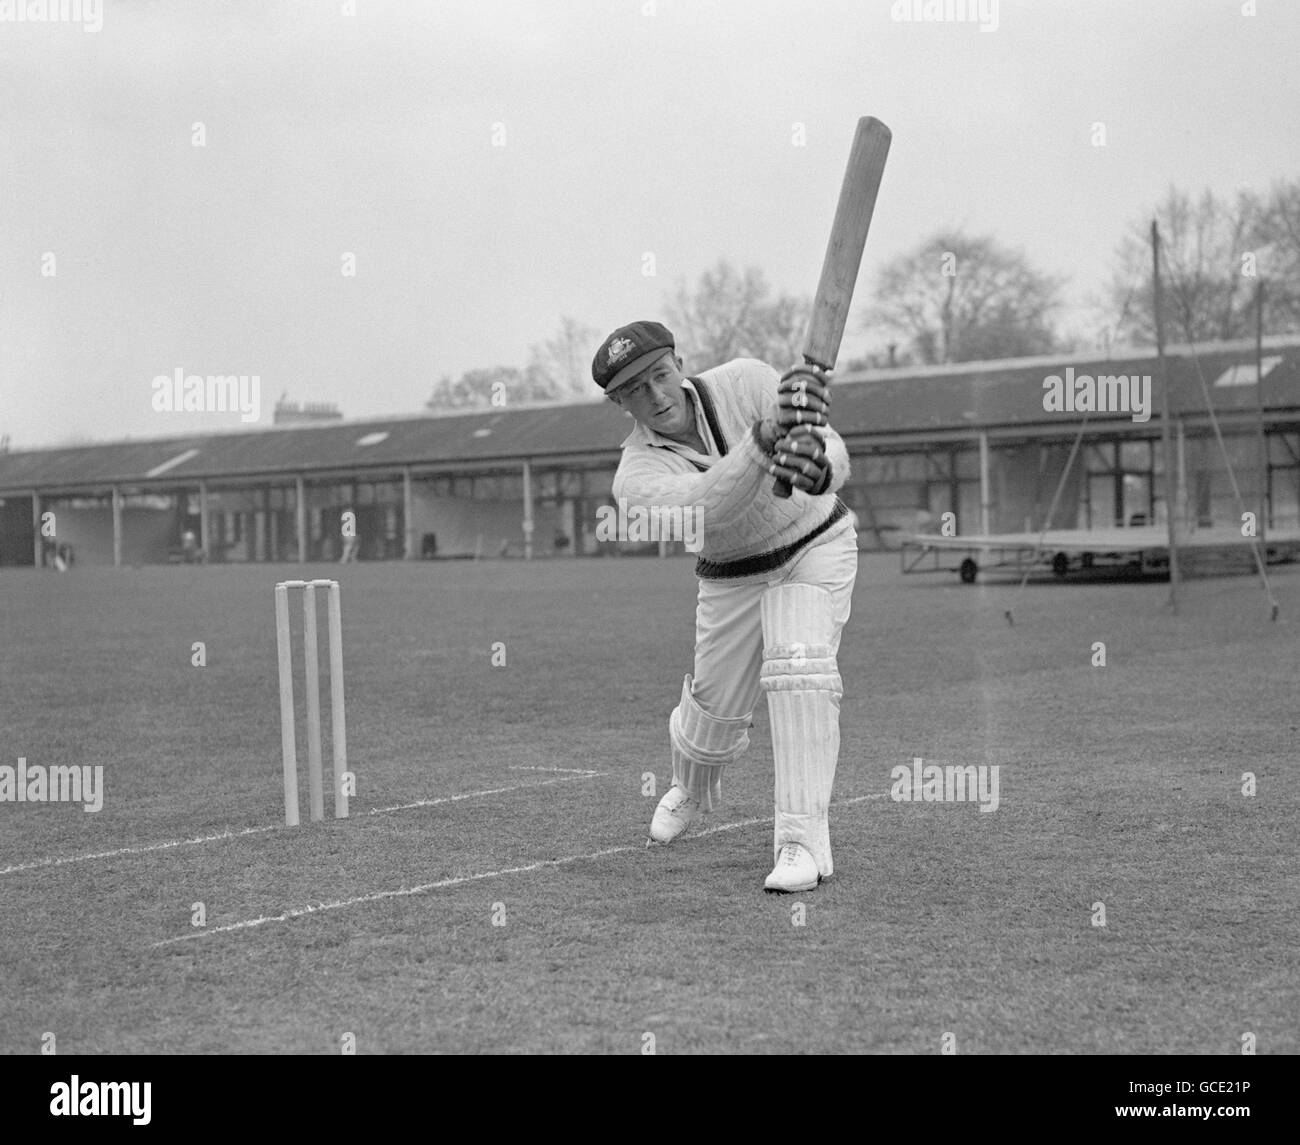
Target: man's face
(656, 399)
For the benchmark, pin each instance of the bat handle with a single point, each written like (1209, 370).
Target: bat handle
(781, 487)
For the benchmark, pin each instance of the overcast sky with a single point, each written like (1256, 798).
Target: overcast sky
(630, 126)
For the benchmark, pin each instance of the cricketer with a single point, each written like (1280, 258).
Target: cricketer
(775, 575)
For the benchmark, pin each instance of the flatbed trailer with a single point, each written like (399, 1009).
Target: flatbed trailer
(1139, 549)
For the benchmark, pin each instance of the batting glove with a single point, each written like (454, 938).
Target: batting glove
(804, 397)
(800, 459)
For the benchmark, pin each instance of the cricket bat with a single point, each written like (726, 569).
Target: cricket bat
(830, 310)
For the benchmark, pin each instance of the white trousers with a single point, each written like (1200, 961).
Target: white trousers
(729, 631)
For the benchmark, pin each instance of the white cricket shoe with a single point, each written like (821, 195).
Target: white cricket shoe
(677, 810)
(795, 870)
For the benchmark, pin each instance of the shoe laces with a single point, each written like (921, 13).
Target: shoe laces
(790, 854)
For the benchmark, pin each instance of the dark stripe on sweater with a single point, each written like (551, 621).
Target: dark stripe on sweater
(710, 415)
(765, 562)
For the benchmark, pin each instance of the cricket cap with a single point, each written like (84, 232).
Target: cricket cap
(628, 351)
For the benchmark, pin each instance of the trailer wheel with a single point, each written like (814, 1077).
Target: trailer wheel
(1060, 564)
(968, 570)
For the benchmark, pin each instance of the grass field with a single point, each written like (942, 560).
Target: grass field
(1119, 785)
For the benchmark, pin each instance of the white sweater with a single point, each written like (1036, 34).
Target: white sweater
(744, 524)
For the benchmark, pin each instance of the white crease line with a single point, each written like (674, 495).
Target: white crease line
(61, 861)
(574, 770)
(424, 888)
(476, 794)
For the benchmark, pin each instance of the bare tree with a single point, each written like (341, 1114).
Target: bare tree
(957, 298)
(560, 367)
(494, 386)
(1202, 242)
(558, 370)
(731, 314)
(1215, 251)
(785, 322)
(1278, 234)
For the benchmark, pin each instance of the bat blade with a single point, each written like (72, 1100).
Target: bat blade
(830, 311)
(848, 238)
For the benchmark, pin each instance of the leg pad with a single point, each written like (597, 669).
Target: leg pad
(702, 745)
(802, 682)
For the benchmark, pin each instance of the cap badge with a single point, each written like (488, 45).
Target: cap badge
(618, 348)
